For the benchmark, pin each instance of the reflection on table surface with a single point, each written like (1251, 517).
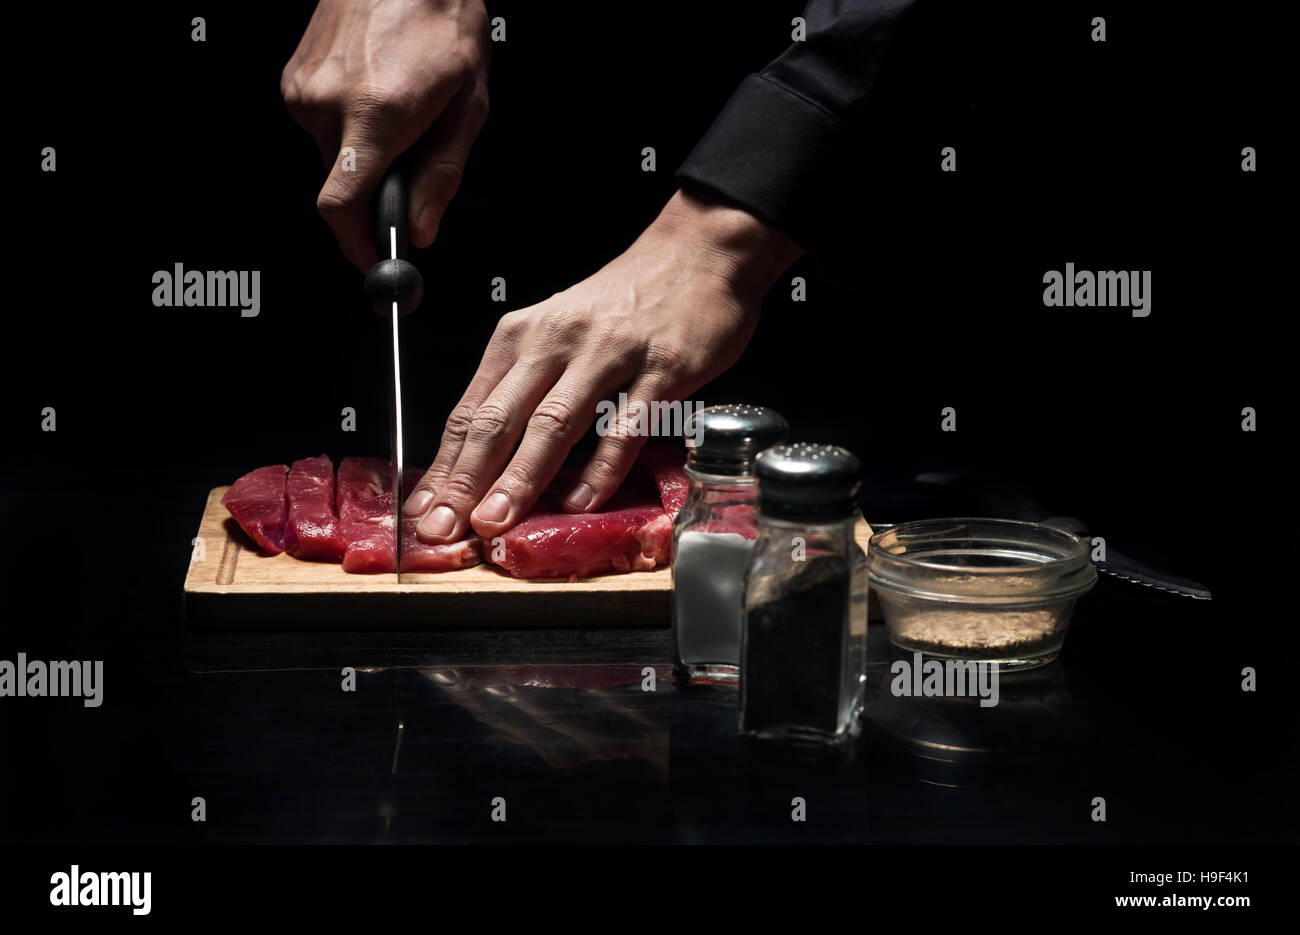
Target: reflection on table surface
(583, 735)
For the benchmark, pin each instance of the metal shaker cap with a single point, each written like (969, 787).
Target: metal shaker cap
(804, 481)
(726, 439)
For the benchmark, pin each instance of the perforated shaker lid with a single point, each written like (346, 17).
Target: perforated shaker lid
(726, 439)
(805, 481)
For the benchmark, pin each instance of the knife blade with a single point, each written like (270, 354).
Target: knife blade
(1005, 499)
(394, 287)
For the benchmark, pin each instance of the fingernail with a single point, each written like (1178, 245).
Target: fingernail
(438, 523)
(494, 509)
(418, 502)
(580, 497)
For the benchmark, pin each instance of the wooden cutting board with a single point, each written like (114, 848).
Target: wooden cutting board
(231, 585)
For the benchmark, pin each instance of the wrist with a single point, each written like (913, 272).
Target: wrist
(746, 253)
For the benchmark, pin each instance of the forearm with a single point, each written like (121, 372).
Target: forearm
(748, 254)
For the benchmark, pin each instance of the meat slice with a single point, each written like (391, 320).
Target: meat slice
(366, 516)
(551, 544)
(257, 501)
(313, 528)
(366, 524)
(421, 556)
(665, 460)
(632, 532)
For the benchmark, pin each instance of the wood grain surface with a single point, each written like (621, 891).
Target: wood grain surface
(235, 586)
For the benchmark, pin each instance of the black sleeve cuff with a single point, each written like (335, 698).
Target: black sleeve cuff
(774, 153)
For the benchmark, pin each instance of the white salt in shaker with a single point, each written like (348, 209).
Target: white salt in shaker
(714, 535)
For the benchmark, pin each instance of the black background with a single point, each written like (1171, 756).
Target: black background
(1123, 155)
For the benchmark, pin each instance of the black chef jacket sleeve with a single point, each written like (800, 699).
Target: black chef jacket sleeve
(787, 146)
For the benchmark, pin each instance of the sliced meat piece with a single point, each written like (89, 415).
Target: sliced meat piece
(257, 501)
(734, 519)
(313, 528)
(421, 556)
(551, 544)
(366, 516)
(666, 460)
(632, 531)
(366, 524)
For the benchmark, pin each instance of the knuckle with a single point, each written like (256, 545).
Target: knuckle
(458, 423)
(489, 422)
(463, 62)
(610, 332)
(663, 359)
(317, 93)
(553, 417)
(366, 99)
(560, 330)
(333, 201)
(538, 360)
(381, 104)
(511, 324)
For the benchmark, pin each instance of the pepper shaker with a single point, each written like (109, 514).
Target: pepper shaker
(714, 535)
(803, 648)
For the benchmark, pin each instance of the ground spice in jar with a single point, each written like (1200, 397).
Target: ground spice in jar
(976, 634)
(794, 650)
(980, 589)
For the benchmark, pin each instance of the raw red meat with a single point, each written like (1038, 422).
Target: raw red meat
(551, 544)
(366, 522)
(313, 528)
(257, 501)
(421, 556)
(665, 460)
(632, 532)
(366, 516)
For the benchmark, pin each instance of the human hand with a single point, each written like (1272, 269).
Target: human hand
(659, 321)
(381, 77)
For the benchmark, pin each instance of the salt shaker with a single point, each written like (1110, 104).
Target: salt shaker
(714, 535)
(803, 649)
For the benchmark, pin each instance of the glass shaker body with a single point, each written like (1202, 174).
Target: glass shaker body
(713, 538)
(803, 647)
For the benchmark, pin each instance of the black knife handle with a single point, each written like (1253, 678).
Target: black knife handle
(393, 278)
(391, 201)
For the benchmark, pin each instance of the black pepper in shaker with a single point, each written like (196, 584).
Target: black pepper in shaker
(803, 643)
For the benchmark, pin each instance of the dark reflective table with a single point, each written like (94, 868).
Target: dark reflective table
(574, 735)
(555, 728)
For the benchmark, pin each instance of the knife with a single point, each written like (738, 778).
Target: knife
(394, 288)
(1001, 500)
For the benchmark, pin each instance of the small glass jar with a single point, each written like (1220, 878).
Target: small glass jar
(714, 536)
(803, 651)
(991, 590)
